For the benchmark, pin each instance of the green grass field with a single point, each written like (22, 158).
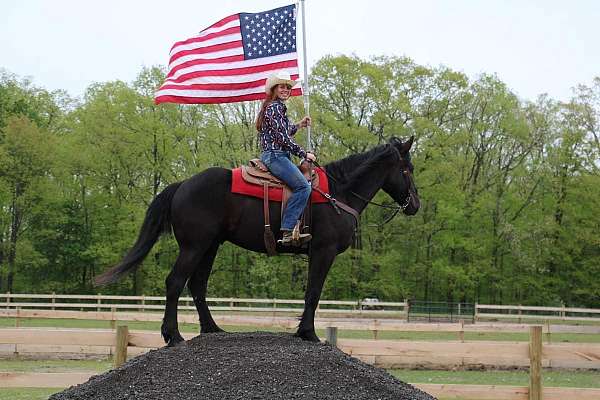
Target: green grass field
(26, 393)
(580, 379)
(16, 365)
(347, 334)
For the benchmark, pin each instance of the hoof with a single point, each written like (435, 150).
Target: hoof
(171, 339)
(309, 336)
(176, 342)
(212, 329)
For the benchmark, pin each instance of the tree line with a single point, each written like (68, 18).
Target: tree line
(510, 188)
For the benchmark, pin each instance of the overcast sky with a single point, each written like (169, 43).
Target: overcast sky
(535, 46)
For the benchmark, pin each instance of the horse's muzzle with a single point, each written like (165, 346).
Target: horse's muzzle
(413, 206)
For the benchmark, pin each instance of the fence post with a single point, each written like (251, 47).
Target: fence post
(375, 331)
(121, 342)
(520, 313)
(113, 318)
(407, 309)
(53, 300)
(475, 314)
(563, 313)
(17, 321)
(7, 300)
(428, 311)
(143, 303)
(548, 333)
(461, 333)
(331, 335)
(99, 301)
(535, 363)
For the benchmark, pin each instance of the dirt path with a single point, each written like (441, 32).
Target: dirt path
(244, 366)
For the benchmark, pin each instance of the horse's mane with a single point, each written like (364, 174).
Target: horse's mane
(346, 169)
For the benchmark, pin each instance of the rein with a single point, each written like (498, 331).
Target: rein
(396, 209)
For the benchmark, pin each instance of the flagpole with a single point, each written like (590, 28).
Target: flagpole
(305, 82)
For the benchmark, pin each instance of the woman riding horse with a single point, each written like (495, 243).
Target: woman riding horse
(203, 213)
(276, 131)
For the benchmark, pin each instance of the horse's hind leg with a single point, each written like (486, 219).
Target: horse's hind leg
(197, 286)
(184, 267)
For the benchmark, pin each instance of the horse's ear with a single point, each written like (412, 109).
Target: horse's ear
(396, 142)
(405, 148)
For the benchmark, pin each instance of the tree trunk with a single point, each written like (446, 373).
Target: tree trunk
(558, 218)
(15, 225)
(2, 256)
(86, 229)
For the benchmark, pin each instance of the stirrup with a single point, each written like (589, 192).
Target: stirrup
(289, 240)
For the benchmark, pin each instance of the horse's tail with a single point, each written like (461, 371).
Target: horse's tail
(157, 222)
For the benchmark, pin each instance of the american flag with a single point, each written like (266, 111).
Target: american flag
(230, 60)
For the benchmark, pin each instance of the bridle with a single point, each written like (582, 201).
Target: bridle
(396, 208)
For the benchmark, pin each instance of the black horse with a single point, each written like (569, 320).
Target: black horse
(203, 213)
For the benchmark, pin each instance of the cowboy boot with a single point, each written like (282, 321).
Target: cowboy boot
(289, 240)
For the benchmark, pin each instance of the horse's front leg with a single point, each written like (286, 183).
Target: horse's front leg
(319, 264)
(184, 267)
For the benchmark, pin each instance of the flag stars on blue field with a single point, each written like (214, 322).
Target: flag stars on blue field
(269, 33)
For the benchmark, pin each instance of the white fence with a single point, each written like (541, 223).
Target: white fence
(354, 308)
(510, 312)
(153, 303)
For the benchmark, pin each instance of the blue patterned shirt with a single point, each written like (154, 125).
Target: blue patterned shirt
(277, 130)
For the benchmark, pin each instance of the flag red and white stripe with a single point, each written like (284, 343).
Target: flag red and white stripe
(213, 68)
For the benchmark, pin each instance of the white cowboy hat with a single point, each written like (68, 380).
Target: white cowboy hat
(277, 78)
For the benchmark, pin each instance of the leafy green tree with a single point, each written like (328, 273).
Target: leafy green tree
(24, 164)
(509, 188)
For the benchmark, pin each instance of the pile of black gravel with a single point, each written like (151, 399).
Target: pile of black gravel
(244, 366)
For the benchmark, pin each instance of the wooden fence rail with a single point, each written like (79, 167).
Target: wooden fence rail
(60, 380)
(375, 325)
(101, 302)
(397, 310)
(520, 312)
(383, 353)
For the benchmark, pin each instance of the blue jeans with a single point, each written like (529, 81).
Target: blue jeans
(280, 165)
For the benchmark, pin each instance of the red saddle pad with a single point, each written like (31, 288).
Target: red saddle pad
(240, 186)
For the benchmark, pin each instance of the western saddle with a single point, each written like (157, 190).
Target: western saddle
(257, 173)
